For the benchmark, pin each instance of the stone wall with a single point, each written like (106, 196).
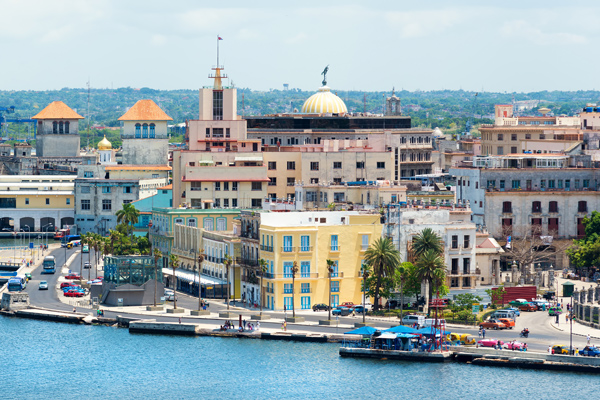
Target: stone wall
(65, 145)
(145, 151)
(14, 301)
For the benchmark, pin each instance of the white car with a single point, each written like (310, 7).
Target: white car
(43, 285)
(170, 295)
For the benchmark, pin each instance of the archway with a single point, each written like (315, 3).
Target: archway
(47, 224)
(27, 224)
(7, 223)
(66, 221)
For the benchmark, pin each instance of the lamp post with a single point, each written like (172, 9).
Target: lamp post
(47, 231)
(28, 235)
(571, 328)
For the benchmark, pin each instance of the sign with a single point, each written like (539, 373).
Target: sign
(475, 308)
(120, 302)
(31, 245)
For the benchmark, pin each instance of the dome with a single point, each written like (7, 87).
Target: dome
(324, 102)
(104, 144)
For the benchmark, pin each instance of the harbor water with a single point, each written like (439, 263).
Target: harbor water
(51, 360)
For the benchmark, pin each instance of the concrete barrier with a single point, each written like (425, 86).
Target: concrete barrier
(164, 328)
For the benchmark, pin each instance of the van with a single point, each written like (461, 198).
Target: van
(431, 321)
(412, 319)
(503, 314)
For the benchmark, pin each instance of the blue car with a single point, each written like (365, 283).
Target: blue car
(513, 309)
(590, 351)
(341, 311)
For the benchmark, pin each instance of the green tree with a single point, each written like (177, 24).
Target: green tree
(128, 215)
(262, 265)
(585, 252)
(429, 267)
(427, 240)
(294, 272)
(400, 276)
(174, 263)
(383, 258)
(464, 301)
(157, 256)
(496, 295)
(330, 269)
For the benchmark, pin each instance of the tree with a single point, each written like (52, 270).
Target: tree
(496, 295)
(227, 261)
(330, 269)
(157, 256)
(294, 272)
(128, 215)
(585, 252)
(464, 301)
(174, 263)
(383, 258)
(427, 240)
(400, 276)
(201, 258)
(262, 265)
(429, 267)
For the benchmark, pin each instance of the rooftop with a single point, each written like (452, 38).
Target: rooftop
(125, 167)
(145, 110)
(57, 110)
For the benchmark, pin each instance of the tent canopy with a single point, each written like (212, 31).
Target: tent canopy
(365, 330)
(402, 329)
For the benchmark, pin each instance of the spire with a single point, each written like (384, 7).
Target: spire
(218, 85)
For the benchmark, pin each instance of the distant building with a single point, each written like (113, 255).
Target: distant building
(57, 131)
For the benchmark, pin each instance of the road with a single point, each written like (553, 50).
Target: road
(542, 334)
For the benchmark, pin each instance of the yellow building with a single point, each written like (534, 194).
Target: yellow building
(36, 202)
(309, 239)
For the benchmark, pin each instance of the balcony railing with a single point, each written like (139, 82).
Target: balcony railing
(335, 248)
(249, 262)
(338, 274)
(299, 275)
(266, 248)
(306, 248)
(288, 249)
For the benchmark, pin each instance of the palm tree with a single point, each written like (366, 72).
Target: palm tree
(427, 267)
(174, 263)
(113, 237)
(201, 258)
(330, 264)
(400, 276)
(97, 249)
(383, 258)
(227, 261)
(262, 265)
(426, 240)
(294, 272)
(365, 275)
(157, 256)
(128, 215)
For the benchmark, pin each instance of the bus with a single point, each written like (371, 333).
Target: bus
(61, 234)
(17, 284)
(49, 265)
(69, 238)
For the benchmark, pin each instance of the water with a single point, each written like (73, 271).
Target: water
(50, 360)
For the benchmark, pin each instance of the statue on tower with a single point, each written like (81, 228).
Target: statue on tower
(324, 73)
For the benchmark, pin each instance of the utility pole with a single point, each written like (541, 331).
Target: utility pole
(88, 115)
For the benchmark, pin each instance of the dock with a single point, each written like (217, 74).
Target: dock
(422, 356)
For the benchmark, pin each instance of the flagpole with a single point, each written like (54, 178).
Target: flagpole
(217, 51)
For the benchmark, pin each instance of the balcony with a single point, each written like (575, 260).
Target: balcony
(288, 249)
(306, 248)
(335, 249)
(299, 275)
(248, 262)
(266, 248)
(338, 275)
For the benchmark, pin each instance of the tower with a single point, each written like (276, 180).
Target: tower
(105, 151)
(57, 131)
(144, 134)
(393, 106)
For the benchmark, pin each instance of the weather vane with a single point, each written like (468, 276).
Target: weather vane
(324, 73)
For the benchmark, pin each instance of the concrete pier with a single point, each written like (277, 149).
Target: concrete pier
(423, 356)
(166, 328)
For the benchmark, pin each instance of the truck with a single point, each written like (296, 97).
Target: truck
(49, 265)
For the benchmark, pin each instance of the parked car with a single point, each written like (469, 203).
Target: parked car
(320, 307)
(541, 304)
(28, 276)
(85, 248)
(347, 304)
(514, 345)
(66, 284)
(73, 277)
(510, 323)
(492, 324)
(528, 307)
(413, 319)
(515, 309)
(43, 285)
(590, 351)
(341, 311)
(490, 342)
(87, 265)
(74, 293)
(359, 309)
(560, 349)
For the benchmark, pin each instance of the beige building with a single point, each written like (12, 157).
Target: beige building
(57, 131)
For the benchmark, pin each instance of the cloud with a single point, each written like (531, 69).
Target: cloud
(522, 29)
(416, 24)
(158, 40)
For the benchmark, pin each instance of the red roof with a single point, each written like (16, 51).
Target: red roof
(57, 110)
(145, 110)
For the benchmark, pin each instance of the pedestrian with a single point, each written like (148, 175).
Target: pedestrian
(549, 349)
(588, 339)
(479, 332)
(285, 326)
(483, 332)
(499, 345)
(258, 325)
(180, 320)
(244, 324)
(74, 310)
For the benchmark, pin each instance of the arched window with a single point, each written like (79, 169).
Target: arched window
(507, 207)
(145, 131)
(60, 127)
(138, 133)
(54, 127)
(67, 126)
(152, 126)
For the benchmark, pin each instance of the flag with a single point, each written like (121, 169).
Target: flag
(219, 38)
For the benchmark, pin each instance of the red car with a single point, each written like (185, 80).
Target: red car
(347, 304)
(65, 284)
(74, 293)
(73, 276)
(528, 307)
(514, 345)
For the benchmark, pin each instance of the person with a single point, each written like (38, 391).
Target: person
(524, 347)
(499, 345)
(479, 332)
(353, 313)
(285, 326)
(74, 310)
(258, 325)
(483, 332)
(588, 339)
(180, 320)
(549, 349)
(244, 324)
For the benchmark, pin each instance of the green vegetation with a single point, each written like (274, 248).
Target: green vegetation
(428, 249)
(585, 252)
(382, 258)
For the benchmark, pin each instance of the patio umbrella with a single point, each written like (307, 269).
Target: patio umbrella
(402, 329)
(365, 330)
(430, 331)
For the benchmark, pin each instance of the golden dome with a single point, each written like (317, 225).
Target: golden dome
(104, 144)
(324, 102)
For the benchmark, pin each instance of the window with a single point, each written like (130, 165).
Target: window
(553, 206)
(553, 226)
(314, 166)
(335, 267)
(502, 184)
(138, 131)
(126, 189)
(305, 288)
(365, 242)
(455, 241)
(207, 132)
(287, 269)
(334, 243)
(560, 184)
(178, 221)
(227, 132)
(273, 181)
(536, 207)
(68, 201)
(208, 224)
(513, 149)
(106, 205)
(85, 204)
(27, 201)
(217, 203)
(47, 201)
(85, 189)
(145, 131)
(380, 164)
(234, 186)
(192, 222)
(256, 186)
(105, 189)
(234, 203)
(222, 223)
(291, 165)
(287, 288)
(528, 136)
(542, 136)
(305, 269)
(335, 286)
(507, 207)
(516, 184)
(272, 165)
(500, 150)
(337, 181)
(582, 206)
(311, 196)
(360, 165)
(337, 165)
(152, 131)
(305, 302)
(226, 203)
(513, 137)
(576, 184)
(567, 184)
(491, 183)
(466, 241)
(466, 265)
(226, 186)
(217, 186)
(88, 174)
(291, 181)
(287, 244)
(126, 201)
(154, 176)
(314, 180)
(551, 184)
(304, 243)
(586, 183)
(500, 137)
(217, 105)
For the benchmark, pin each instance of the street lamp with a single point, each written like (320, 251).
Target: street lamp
(28, 234)
(47, 231)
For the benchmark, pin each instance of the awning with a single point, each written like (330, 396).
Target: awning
(387, 335)
(365, 330)
(253, 158)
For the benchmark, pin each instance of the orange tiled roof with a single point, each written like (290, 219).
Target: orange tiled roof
(57, 110)
(167, 187)
(145, 110)
(138, 167)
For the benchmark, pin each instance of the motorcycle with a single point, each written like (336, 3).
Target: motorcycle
(524, 334)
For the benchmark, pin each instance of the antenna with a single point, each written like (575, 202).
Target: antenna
(88, 115)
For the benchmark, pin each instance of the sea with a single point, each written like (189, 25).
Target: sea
(43, 359)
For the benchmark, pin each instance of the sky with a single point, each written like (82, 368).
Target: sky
(509, 46)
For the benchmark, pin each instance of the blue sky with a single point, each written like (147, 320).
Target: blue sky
(473, 45)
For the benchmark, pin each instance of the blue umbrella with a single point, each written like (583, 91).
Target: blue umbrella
(402, 329)
(430, 331)
(365, 330)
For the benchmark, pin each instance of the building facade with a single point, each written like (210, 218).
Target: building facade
(57, 131)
